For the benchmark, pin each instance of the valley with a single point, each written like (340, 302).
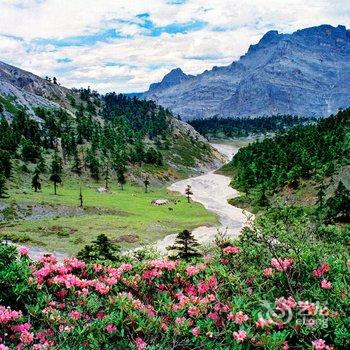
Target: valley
(56, 224)
(211, 212)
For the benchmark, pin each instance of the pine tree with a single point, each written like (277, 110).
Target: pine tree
(81, 197)
(77, 166)
(41, 165)
(146, 182)
(121, 177)
(3, 189)
(321, 193)
(120, 168)
(338, 206)
(5, 163)
(106, 175)
(94, 164)
(56, 179)
(188, 193)
(100, 249)
(29, 151)
(56, 164)
(185, 245)
(36, 180)
(263, 201)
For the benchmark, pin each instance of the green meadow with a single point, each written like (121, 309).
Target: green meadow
(126, 216)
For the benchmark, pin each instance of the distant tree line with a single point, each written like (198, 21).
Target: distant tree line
(243, 127)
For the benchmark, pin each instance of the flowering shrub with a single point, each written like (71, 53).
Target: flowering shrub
(260, 298)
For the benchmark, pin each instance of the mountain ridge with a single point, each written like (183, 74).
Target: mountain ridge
(303, 73)
(28, 90)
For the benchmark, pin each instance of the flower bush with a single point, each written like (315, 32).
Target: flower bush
(291, 295)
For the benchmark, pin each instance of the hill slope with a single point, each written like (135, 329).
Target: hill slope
(303, 73)
(302, 166)
(185, 151)
(28, 90)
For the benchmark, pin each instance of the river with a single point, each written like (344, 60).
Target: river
(213, 191)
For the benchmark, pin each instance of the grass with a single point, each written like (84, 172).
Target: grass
(8, 104)
(127, 213)
(189, 152)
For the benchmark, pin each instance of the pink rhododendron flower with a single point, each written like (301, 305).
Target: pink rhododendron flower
(192, 270)
(125, 267)
(75, 315)
(7, 315)
(213, 315)
(283, 304)
(111, 328)
(26, 337)
(163, 264)
(212, 282)
(326, 284)
(193, 311)
(240, 317)
(268, 272)
(262, 323)
(3, 347)
(140, 344)
(281, 264)
(240, 336)
(319, 272)
(23, 250)
(19, 328)
(101, 288)
(319, 344)
(203, 287)
(50, 259)
(285, 346)
(196, 331)
(180, 320)
(75, 263)
(231, 250)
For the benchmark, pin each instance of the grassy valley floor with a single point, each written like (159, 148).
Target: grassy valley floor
(126, 216)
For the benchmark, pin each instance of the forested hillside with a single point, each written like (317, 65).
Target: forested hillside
(300, 153)
(105, 135)
(243, 127)
(307, 166)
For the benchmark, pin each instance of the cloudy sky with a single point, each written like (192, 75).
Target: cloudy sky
(124, 45)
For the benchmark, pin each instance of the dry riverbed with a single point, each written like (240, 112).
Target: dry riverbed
(213, 191)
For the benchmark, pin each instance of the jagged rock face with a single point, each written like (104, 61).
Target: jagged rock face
(305, 73)
(176, 76)
(28, 90)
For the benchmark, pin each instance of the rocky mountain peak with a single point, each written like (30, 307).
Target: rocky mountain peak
(304, 73)
(174, 77)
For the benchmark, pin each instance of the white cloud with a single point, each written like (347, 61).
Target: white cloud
(140, 58)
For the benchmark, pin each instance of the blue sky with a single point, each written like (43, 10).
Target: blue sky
(119, 45)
